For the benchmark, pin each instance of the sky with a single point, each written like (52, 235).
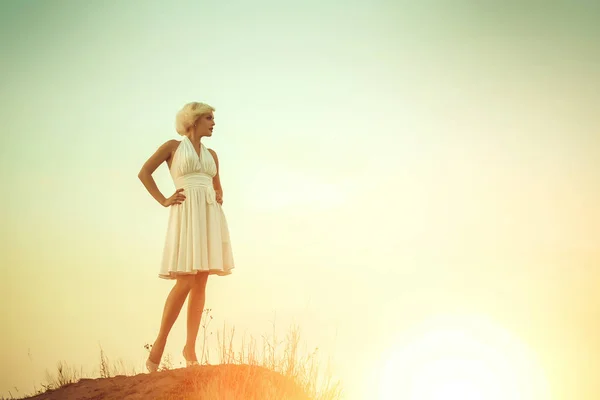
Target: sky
(397, 176)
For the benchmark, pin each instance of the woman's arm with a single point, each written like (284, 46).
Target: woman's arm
(217, 179)
(161, 155)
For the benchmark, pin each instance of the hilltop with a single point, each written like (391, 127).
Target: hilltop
(225, 381)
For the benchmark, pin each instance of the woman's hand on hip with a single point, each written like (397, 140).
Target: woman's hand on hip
(177, 198)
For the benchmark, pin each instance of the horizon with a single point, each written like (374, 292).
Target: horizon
(440, 162)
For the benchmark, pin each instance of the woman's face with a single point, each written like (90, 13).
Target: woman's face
(205, 124)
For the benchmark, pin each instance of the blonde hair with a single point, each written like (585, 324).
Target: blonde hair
(187, 116)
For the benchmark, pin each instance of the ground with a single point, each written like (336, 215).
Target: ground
(222, 382)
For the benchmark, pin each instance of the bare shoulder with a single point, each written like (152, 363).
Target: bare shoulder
(171, 144)
(169, 147)
(163, 153)
(214, 153)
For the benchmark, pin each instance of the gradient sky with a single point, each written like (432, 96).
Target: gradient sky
(385, 164)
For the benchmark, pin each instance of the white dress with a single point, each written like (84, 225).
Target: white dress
(197, 237)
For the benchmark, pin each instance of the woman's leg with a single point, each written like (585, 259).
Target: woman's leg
(195, 310)
(171, 311)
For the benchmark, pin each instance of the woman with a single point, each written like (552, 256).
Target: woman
(197, 242)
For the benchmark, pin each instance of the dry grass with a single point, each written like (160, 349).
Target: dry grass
(273, 369)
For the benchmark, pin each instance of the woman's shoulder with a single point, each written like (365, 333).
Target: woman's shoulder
(168, 147)
(171, 144)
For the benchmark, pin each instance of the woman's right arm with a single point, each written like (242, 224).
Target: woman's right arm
(161, 155)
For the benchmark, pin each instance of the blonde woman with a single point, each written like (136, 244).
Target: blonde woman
(197, 241)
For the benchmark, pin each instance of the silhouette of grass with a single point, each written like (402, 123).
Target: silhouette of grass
(275, 369)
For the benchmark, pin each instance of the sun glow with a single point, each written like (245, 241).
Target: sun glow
(462, 359)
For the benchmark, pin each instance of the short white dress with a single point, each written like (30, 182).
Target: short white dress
(197, 237)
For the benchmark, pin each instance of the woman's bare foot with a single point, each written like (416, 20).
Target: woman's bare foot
(190, 357)
(156, 352)
(151, 367)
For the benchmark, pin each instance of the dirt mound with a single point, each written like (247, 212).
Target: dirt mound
(209, 382)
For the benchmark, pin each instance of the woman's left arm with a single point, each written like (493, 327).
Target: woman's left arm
(216, 179)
